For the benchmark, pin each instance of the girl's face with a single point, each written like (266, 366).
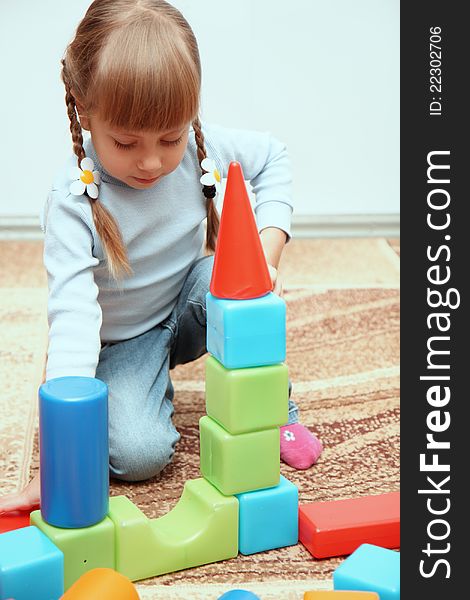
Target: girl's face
(139, 159)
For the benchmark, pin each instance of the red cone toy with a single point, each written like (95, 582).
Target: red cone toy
(240, 269)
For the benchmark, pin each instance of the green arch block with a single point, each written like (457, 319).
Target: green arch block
(202, 528)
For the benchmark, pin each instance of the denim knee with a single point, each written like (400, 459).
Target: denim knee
(142, 457)
(189, 315)
(199, 280)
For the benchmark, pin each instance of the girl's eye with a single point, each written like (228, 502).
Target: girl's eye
(172, 142)
(123, 146)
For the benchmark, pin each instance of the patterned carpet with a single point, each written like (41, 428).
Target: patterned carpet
(343, 357)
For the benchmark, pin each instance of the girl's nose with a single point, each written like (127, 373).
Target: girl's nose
(150, 163)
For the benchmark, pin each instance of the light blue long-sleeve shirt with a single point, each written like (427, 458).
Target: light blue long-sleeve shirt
(164, 233)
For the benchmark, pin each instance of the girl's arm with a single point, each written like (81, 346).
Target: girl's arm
(74, 313)
(273, 241)
(265, 163)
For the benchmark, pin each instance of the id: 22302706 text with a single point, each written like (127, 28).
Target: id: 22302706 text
(435, 71)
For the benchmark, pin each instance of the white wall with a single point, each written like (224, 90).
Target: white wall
(323, 76)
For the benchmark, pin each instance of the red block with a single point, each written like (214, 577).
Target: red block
(14, 520)
(240, 270)
(341, 526)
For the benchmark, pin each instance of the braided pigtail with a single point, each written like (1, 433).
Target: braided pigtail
(106, 226)
(209, 191)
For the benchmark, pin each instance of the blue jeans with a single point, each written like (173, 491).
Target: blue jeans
(142, 437)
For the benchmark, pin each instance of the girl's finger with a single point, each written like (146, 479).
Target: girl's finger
(278, 287)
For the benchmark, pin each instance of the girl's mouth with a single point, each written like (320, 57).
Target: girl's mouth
(147, 181)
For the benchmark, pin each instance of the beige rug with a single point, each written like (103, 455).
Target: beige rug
(343, 356)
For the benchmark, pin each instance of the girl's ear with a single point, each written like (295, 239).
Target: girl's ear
(84, 122)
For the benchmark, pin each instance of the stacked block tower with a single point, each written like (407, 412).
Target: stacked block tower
(246, 381)
(241, 503)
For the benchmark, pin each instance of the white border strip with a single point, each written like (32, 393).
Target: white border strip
(26, 227)
(334, 226)
(20, 227)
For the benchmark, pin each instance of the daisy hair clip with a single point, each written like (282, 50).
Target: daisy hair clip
(212, 175)
(85, 178)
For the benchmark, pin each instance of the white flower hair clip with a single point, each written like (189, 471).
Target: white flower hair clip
(85, 178)
(212, 177)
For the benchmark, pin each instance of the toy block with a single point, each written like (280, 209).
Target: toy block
(239, 595)
(243, 400)
(246, 333)
(84, 549)
(102, 584)
(202, 528)
(239, 463)
(370, 568)
(31, 566)
(74, 454)
(240, 269)
(339, 527)
(13, 520)
(268, 518)
(340, 595)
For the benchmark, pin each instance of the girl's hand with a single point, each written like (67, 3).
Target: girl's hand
(27, 499)
(273, 241)
(276, 281)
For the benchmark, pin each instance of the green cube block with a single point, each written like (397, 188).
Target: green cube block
(187, 536)
(239, 463)
(84, 549)
(243, 400)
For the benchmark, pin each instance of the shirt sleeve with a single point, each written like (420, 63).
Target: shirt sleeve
(266, 165)
(74, 314)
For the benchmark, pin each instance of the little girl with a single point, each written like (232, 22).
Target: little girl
(124, 227)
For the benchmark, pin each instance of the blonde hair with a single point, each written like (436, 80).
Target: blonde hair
(136, 63)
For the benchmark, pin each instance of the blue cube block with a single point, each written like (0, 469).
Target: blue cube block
(31, 566)
(268, 518)
(246, 333)
(370, 569)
